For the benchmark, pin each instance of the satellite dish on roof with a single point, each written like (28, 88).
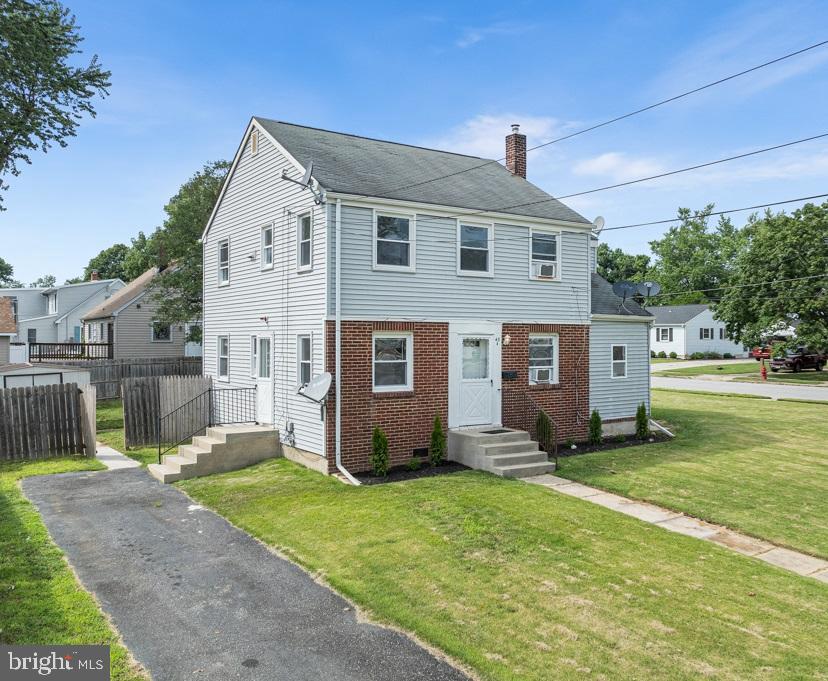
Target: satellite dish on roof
(624, 289)
(317, 388)
(306, 178)
(598, 224)
(306, 183)
(649, 288)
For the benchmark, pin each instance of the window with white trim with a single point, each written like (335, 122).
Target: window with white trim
(543, 358)
(706, 333)
(161, 333)
(267, 247)
(264, 358)
(254, 355)
(664, 334)
(474, 249)
(544, 261)
(224, 262)
(52, 303)
(223, 357)
(304, 242)
(394, 242)
(619, 361)
(393, 362)
(304, 359)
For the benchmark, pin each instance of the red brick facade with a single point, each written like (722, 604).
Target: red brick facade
(407, 417)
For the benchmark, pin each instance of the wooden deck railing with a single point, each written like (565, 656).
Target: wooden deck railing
(41, 352)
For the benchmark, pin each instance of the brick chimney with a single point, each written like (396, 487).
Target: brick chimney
(94, 276)
(516, 152)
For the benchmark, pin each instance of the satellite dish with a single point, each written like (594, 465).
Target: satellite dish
(305, 183)
(599, 223)
(306, 178)
(624, 289)
(317, 388)
(649, 288)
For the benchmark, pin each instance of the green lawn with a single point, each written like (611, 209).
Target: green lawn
(110, 419)
(748, 371)
(758, 466)
(40, 599)
(662, 360)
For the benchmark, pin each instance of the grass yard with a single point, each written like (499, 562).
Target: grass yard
(110, 420)
(519, 582)
(41, 600)
(748, 371)
(758, 466)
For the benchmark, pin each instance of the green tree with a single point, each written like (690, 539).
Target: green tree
(43, 96)
(616, 265)
(694, 256)
(7, 279)
(109, 263)
(178, 292)
(141, 255)
(46, 281)
(781, 246)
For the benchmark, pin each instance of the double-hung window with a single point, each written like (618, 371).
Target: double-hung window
(619, 361)
(304, 242)
(304, 359)
(544, 263)
(393, 362)
(706, 333)
(475, 251)
(224, 262)
(267, 247)
(664, 334)
(223, 357)
(543, 359)
(394, 242)
(161, 333)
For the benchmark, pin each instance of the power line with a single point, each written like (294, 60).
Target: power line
(618, 118)
(724, 288)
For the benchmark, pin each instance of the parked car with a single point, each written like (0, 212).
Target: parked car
(799, 359)
(760, 353)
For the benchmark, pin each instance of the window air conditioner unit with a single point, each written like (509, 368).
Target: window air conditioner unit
(545, 270)
(541, 375)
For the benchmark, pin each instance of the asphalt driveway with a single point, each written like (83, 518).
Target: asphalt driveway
(197, 599)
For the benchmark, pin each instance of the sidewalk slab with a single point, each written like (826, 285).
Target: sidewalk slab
(690, 526)
(794, 561)
(113, 459)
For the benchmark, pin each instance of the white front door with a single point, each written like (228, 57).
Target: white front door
(264, 380)
(474, 375)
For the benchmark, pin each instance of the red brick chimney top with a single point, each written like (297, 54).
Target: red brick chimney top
(516, 152)
(94, 276)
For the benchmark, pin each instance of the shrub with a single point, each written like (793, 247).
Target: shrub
(652, 353)
(673, 355)
(697, 355)
(570, 444)
(712, 355)
(727, 355)
(545, 432)
(620, 438)
(662, 354)
(595, 429)
(437, 449)
(642, 423)
(414, 464)
(379, 453)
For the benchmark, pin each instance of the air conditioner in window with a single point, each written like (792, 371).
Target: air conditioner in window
(545, 270)
(541, 375)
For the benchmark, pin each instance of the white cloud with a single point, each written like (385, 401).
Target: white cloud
(618, 167)
(472, 36)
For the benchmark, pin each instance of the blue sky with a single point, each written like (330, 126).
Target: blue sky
(188, 75)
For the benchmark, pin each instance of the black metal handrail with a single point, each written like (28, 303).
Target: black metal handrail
(213, 407)
(522, 411)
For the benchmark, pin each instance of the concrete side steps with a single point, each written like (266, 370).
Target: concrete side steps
(510, 447)
(224, 448)
(511, 454)
(525, 470)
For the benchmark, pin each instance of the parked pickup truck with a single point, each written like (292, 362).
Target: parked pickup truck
(799, 359)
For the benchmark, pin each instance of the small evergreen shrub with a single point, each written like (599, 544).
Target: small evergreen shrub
(673, 355)
(414, 464)
(545, 432)
(620, 438)
(662, 354)
(727, 355)
(712, 355)
(652, 353)
(642, 422)
(595, 428)
(379, 453)
(437, 449)
(697, 355)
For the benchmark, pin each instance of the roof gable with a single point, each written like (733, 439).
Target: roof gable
(676, 314)
(123, 297)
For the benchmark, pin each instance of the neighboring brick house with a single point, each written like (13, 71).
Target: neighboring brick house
(473, 297)
(8, 327)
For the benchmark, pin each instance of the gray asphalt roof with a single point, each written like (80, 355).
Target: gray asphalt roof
(675, 314)
(369, 167)
(123, 296)
(604, 301)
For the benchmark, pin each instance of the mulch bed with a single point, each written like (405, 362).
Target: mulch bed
(402, 473)
(610, 442)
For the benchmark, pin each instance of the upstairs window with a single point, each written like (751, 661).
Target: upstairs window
(619, 361)
(543, 359)
(304, 359)
(267, 247)
(394, 242)
(224, 262)
(544, 263)
(53, 303)
(304, 241)
(474, 244)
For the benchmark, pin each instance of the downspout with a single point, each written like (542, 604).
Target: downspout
(338, 345)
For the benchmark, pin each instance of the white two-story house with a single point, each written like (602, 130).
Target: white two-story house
(472, 296)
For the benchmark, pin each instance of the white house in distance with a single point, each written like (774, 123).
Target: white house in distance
(686, 329)
(473, 297)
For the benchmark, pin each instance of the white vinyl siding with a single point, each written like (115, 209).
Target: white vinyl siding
(393, 362)
(614, 398)
(394, 241)
(543, 358)
(475, 249)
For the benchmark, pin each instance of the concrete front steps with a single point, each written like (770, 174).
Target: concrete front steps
(502, 451)
(223, 448)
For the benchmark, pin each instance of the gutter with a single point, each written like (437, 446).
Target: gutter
(338, 345)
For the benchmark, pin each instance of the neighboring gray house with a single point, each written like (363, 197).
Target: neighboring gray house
(127, 320)
(53, 315)
(686, 329)
(473, 297)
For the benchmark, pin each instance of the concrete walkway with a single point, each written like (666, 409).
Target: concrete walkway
(197, 599)
(772, 390)
(794, 561)
(113, 459)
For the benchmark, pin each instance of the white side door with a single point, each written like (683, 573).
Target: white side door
(474, 374)
(264, 379)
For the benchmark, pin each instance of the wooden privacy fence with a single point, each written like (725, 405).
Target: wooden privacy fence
(146, 400)
(47, 420)
(107, 374)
